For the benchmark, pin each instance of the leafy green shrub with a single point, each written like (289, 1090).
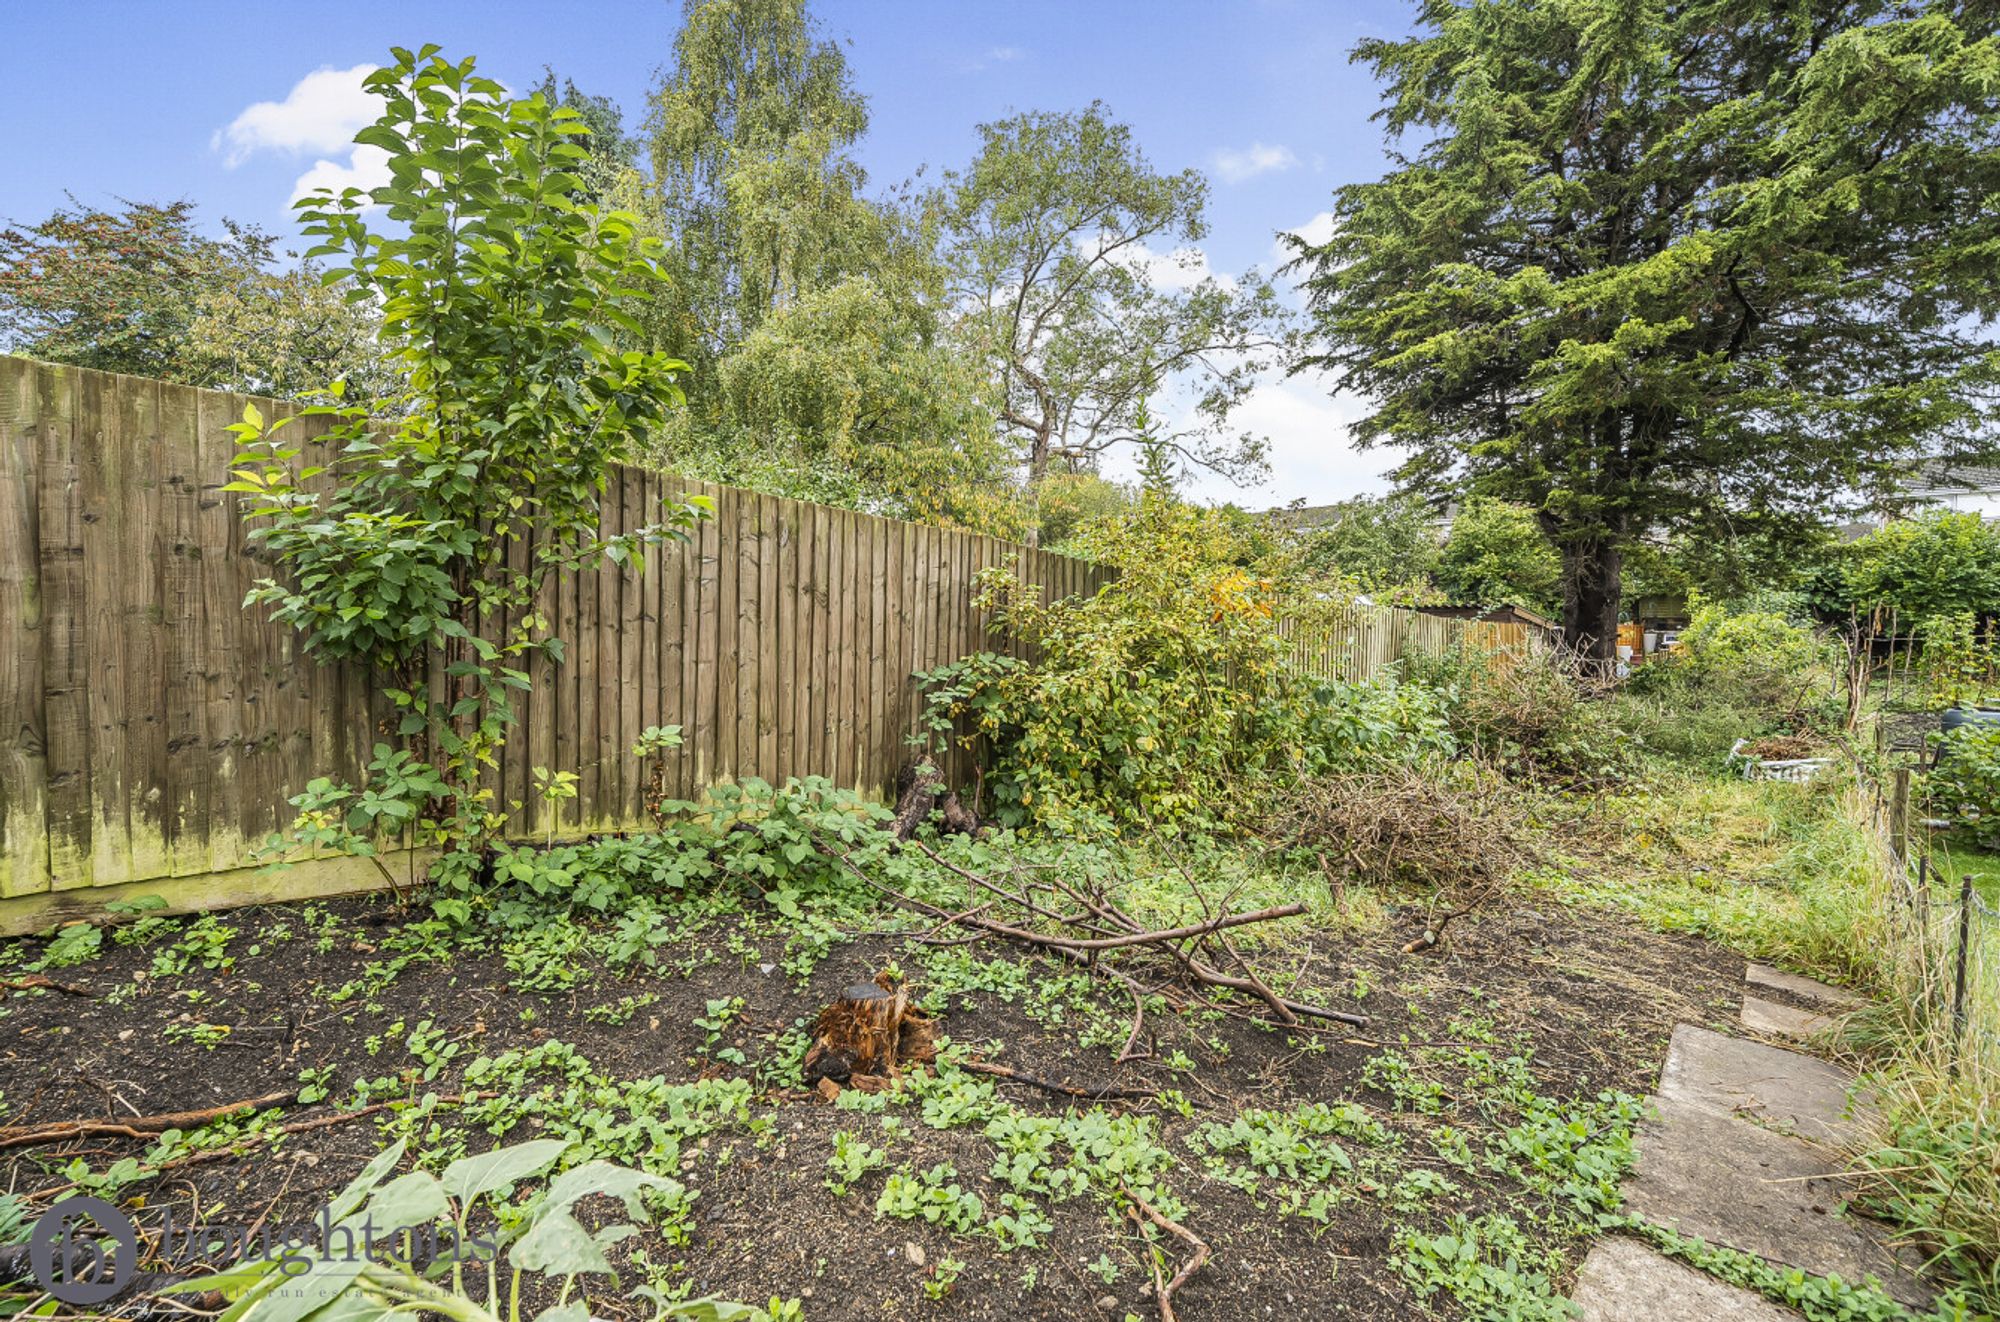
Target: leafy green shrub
(1939, 563)
(1963, 787)
(1697, 733)
(1150, 698)
(1754, 661)
(747, 833)
(401, 537)
(1957, 671)
(1525, 711)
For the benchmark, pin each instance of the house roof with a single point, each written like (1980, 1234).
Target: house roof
(1937, 480)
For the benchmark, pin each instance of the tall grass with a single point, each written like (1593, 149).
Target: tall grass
(1934, 1168)
(1803, 876)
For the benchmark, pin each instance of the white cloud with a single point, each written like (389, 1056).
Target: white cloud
(1258, 158)
(367, 168)
(320, 116)
(1312, 457)
(1311, 454)
(993, 55)
(1171, 272)
(321, 113)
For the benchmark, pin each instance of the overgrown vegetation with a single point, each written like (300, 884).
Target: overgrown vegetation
(504, 301)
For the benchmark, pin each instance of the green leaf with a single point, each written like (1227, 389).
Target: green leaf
(469, 1177)
(347, 1200)
(415, 1199)
(558, 1245)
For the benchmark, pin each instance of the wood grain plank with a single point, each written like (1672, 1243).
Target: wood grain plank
(634, 619)
(728, 691)
(877, 774)
(538, 705)
(582, 690)
(24, 789)
(181, 569)
(259, 687)
(221, 631)
(746, 660)
(651, 659)
(610, 617)
(102, 483)
(708, 587)
(770, 609)
(65, 670)
(145, 631)
(841, 665)
(676, 564)
(785, 603)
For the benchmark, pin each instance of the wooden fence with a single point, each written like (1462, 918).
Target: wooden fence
(154, 728)
(1359, 641)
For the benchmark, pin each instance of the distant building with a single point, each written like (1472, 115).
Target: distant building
(1962, 488)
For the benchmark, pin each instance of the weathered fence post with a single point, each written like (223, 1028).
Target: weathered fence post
(1899, 817)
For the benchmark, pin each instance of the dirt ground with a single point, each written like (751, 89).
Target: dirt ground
(324, 993)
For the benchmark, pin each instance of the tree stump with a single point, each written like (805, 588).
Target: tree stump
(917, 789)
(863, 1039)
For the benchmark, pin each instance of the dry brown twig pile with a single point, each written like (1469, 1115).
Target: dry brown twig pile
(1463, 837)
(1400, 825)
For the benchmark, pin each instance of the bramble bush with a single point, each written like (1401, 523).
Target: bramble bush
(1963, 786)
(1735, 674)
(749, 835)
(1526, 712)
(1757, 661)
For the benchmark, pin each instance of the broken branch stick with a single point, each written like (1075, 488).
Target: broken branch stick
(43, 982)
(1163, 1290)
(144, 1126)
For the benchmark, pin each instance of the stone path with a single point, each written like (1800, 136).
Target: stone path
(1743, 1151)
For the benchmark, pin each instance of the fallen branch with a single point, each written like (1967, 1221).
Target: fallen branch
(1106, 1093)
(290, 1127)
(1434, 932)
(42, 982)
(1163, 1290)
(1085, 950)
(144, 1126)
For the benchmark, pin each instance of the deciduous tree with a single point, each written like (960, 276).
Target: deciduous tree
(143, 291)
(1072, 254)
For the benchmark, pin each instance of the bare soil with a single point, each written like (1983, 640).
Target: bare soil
(1588, 997)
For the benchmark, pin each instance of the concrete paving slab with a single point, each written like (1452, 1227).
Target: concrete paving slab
(1808, 989)
(1771, 1019)
(1790, 1090)
(1708, 1173)
(1622, 1280)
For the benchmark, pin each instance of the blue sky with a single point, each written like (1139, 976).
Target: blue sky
(215, 102)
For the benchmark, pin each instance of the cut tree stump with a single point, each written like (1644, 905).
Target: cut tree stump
(865, 1037)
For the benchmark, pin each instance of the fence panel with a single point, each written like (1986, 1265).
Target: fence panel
(151, 728)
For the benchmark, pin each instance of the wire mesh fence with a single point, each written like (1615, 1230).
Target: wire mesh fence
(1947, 935)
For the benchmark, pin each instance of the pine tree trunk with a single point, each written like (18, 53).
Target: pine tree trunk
(1592, 573)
